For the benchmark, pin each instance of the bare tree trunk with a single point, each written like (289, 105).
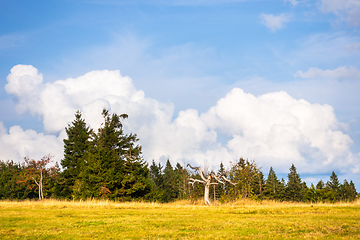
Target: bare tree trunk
(206, 194)
(41, 185)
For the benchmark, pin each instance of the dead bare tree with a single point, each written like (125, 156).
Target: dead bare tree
(207, 181)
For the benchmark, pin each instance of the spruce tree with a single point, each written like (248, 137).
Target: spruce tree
(320, 191)
(333, 183)
(272, 184)
(181, 180)
(171, 192)
(345, 191)
(333, 188)
(353, 194)
(294, 187)
(221, 188)
(76, 147)
(156, 180)
(115, 168)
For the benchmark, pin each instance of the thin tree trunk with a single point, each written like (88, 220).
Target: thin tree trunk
(41, 184)
(206, 194)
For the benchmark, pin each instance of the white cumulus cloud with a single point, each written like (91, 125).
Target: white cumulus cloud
(273, 22)
(274, 129)
(277, 129)
(16, 143)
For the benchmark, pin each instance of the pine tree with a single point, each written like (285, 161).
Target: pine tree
(353, 194)
(294, 187)
(181, 181)
(310, 195)
(282, 190)
(334, 183)
(320, 191)
(333, 188)
(221, 188)
(76, 147)
(272, 184)
(115, 168)
(169, 186)
(345, 191)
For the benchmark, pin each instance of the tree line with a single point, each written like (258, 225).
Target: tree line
(108, 164)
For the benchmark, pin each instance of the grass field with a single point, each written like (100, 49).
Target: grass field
(52, 219)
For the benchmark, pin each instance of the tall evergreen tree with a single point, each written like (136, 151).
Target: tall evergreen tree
(156, 180)
(181, 181)
(272, 185)
(334, 183)
(221, 188)
(76, 147)
(353, 194)
(333, 188)
(115, 168)
(171, 191)
(320, 191)
(282, 190)
(294, 187)
(347, 191)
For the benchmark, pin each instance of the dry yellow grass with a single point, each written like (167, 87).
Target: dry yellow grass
(243, 219)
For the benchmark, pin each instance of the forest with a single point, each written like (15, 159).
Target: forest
(108, 164)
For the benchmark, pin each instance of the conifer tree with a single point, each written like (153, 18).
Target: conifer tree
(294, 187)
(353, 193)
(76, 147)
(221, 188)
(333, 183)
(181, 181)
(171, 192)
(272, 185)
(333, 188)
(320, 191)
(345, 191)
(282, 190)
(115, 168)
(155, 180)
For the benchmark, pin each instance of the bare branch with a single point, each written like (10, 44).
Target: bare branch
(218, 178)
(193, 181)
(200, 172)
(229, 181)
(35, 181)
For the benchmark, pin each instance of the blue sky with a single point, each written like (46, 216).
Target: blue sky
(210, 81)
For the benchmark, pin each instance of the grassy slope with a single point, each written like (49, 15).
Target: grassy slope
(242, 220)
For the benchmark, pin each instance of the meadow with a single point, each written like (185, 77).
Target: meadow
(52, 219)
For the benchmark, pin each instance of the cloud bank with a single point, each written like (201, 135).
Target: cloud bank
(274, 128)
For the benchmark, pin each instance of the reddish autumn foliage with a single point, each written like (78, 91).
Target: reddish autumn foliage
(36, 171)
